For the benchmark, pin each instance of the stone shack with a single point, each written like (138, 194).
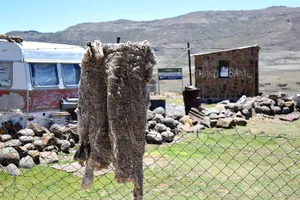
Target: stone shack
(227, 74)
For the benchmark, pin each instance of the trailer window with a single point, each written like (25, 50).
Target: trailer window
(5, 74)
(44, 74)
(71, 74)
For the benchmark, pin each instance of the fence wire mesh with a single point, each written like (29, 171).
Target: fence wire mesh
(211, 164)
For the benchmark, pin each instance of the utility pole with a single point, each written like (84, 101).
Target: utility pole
(118, 39)
(189, 57)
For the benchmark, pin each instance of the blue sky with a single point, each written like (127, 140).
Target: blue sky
(57, 15)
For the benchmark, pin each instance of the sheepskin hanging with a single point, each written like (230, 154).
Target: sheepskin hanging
(130, 69)
(114, 87)
(95, 146)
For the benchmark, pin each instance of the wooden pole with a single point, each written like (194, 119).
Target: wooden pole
(118, 39)
(189, 57)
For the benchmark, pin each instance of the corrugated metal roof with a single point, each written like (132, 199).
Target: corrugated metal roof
(212, 52)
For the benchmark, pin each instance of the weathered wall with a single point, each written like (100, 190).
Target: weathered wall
(243, 74)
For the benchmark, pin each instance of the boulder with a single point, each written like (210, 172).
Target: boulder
(61, 132)
(169, 122)
(213, 116)
(29, 146)
(160, 128)
(276, 109)
(213, 123)
(26, 162)
(151, 124)
(154, 138)
(248, 105)
(35, 156)
(5, 137)
(12, 170)
(150, 115)
(51, 148)
(26, 139)
(225, 123)
(26, 132)
(64, 146)
(246, 113)
(39, 144)
(159, 110)
(186, 120)
(72, 143)
(49, 139)
(240, 121)
(266, 110)
(280, 103)
(22, 151)
(13, 143)
(9, 155)
(267, 102)
(73, 130)
(239, 114)
(38, 129)
(242, 100)
(175, 130)
(286, 110)
(206, 122)
(232, 106)
(158, 118)
(167, 136)
(48, 157)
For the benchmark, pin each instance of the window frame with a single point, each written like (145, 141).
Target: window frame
(62, 73)
(44, 86)
(224, 63)
(11, 64)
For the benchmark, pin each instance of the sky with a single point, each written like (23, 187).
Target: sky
(57, 15)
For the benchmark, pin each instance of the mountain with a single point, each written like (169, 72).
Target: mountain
(169, 35)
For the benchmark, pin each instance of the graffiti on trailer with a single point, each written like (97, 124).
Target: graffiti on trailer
(233, 73)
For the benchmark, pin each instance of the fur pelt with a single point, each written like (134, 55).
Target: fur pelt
(130, 70)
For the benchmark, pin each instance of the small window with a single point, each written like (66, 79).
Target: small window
(5, 74)
(71, 74)
(44, 74)
(224, 69)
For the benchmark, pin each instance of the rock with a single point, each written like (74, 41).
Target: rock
(186, 120)
(213, 123)
(224, 102)
(13, 143)
(290, 117)
(198, 127)
(220, 107)
(209, 111)
(167, 136)
(248, 105)
(26, 162)
(266, 110)
(242, 100)
(12, 170)
(48, 139)
(239, 114)
(276, 109)
(5, 137)
(280, 103)
(26, 139)
(175, 131)
(232, 106)
(22, 151)
(39, 145)
(151, 124)
(35, 156)
(51, 148)
(206, 122)
(159, 110)
(258, 109)
(160, 128)
(169, 122)
(48, 157)
(240, 121)
(64, 145)
(213, 116)
(2, 145)
(158, 118)
(154, 138)
(72, 143)
(29, 146)
(26, 132)
(225, 123)
(38, 129)
(267, 102)
(73, 130)
(286, 110)
(150, 115)
(246, 113)
(61, 132)
(289, 104)
(9, 155)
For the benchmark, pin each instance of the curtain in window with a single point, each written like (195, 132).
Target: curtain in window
(71, 74)
(44, 74)
(5, 74)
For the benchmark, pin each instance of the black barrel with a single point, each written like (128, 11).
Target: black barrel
(191, 98)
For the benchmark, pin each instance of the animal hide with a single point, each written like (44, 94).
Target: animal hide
(112, 110)
(130, 69)
(95, 146)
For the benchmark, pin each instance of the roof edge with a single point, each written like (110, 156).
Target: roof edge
(224, 50)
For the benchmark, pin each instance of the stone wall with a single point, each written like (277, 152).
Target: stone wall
(242, 74)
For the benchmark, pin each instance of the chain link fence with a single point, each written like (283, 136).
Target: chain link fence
(211, 164)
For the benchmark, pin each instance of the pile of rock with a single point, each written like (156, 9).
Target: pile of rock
(161, 127)
(25, 148)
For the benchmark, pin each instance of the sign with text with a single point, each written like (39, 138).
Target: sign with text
(170, 74)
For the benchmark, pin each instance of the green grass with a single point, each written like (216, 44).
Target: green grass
(210, 165)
